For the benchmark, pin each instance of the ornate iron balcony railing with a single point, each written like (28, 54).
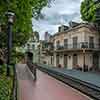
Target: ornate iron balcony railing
(79, 46)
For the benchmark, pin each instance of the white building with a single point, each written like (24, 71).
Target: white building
(31, 46)
(75, 46)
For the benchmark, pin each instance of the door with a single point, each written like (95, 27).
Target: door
(29, 56)
(51, 60)
(57, 60)
(75, 60)
(96, 61)
(65, 61)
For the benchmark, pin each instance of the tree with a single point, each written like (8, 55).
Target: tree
(22, 28)
(24, 10)
(90, 10)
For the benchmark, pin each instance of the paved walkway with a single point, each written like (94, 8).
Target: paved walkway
(45, 88)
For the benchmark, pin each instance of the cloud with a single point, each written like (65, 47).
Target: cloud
(60, 12)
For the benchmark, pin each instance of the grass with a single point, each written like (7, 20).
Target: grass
(6, 83)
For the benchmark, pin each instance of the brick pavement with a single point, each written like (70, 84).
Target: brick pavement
(45, 88)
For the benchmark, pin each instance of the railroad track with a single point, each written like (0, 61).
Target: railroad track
(88, 89)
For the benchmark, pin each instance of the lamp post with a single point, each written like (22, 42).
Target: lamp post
(10, 21)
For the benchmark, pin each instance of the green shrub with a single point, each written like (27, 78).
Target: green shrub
(6, 84)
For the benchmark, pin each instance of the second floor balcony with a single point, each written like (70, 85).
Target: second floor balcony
(78, 46)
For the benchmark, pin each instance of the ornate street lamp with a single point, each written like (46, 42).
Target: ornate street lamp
(10, 19)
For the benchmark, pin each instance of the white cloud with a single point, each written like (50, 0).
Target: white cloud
(61, 12)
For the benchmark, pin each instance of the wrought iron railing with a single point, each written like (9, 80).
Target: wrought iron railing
(79, 46)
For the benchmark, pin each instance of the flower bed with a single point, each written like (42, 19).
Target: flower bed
(6, 84)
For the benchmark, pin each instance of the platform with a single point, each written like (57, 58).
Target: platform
(45, 88)
(89, 77)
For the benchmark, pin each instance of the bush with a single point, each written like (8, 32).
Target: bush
(6, 84)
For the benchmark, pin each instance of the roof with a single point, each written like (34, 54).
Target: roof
(74, 28)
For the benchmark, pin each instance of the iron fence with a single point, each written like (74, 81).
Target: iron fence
(79, 46)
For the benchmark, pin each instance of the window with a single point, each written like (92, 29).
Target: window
(75, 42)
(65, 28)
(91, 42)
(59, 29)
(65, 43)
(33, 46)
(58, 44)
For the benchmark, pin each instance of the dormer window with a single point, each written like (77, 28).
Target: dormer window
(63, 28)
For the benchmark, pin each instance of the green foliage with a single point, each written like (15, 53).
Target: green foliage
(24, 11)
(22, 28)
(89, 10)
(6, 84)
(19, 56)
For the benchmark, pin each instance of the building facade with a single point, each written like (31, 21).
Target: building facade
(44, 55)
(77, 46)
(32, 48)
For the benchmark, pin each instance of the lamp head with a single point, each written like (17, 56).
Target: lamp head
(10, 15)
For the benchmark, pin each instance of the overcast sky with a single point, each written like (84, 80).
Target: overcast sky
(60, 12)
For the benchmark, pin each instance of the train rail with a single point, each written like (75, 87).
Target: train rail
(88, 89)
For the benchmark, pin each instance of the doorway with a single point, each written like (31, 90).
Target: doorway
(96, 61)
(75, 60)
(65, 61)
(57, 60)
(29, 56)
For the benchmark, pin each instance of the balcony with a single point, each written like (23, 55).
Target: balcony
(79, 46)
(47, 50)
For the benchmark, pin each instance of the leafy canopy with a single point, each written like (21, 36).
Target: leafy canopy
(90, 10)
(24, 11)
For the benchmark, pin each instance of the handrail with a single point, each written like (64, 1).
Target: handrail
(79, 46)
